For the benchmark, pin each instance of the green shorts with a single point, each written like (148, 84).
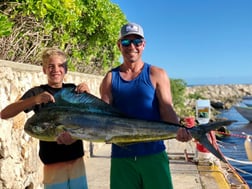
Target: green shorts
(145, 172)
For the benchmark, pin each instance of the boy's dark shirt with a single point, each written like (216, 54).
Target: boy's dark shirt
(51, 152)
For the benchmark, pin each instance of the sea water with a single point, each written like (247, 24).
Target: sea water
(233, 146)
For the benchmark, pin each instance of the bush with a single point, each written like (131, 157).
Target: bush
(86, 30)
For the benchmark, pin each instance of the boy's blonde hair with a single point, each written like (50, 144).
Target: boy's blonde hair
(48, 52)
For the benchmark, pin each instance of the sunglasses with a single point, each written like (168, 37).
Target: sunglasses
(127, 42)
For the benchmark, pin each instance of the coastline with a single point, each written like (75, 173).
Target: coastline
(16, 78)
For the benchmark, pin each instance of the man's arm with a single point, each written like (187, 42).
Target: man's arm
(161, 83)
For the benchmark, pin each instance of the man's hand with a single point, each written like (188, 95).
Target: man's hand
(183, 135)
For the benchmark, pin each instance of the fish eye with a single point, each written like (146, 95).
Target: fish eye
(40, 128)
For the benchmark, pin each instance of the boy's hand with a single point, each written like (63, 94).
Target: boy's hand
(81, 88)
(65, 138)
(44, 97)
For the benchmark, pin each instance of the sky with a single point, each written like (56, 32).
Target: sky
(199, 41)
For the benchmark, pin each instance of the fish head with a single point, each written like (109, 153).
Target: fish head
(43, 127)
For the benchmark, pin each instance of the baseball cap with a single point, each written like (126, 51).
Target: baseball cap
(131, 28)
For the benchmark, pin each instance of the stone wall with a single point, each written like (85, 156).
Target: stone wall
(20, 167)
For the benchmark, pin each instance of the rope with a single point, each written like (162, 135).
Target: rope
(239, 161)
(242, 171)
(230, 134)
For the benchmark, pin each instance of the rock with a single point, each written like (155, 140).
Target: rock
(217, 105)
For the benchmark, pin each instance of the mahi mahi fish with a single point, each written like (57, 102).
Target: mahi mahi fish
(87, 117)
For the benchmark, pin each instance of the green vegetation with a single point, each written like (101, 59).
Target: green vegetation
(197, 95)
(6, 26)
(178, 89)
(86, 30)
(181, 100)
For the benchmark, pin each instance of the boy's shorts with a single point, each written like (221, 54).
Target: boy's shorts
(65, 175)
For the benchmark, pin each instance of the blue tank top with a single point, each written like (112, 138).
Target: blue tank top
(137, 99)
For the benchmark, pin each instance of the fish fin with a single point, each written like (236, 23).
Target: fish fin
(69, 98)
(59, 129)
(62, 128)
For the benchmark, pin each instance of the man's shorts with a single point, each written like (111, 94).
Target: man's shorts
(144, 172)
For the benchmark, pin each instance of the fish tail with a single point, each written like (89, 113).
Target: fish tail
(208, 145)
(215, 125)
(201, 136)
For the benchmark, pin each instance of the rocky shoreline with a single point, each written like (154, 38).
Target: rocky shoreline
(221, 96)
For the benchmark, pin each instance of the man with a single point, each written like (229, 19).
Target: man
(63, 160)
(139, 90)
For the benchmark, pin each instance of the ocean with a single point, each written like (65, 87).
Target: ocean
(194, 81)
(233, 146)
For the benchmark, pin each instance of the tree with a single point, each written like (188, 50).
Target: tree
(6, 26)
(87, 30)
(178, 89)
